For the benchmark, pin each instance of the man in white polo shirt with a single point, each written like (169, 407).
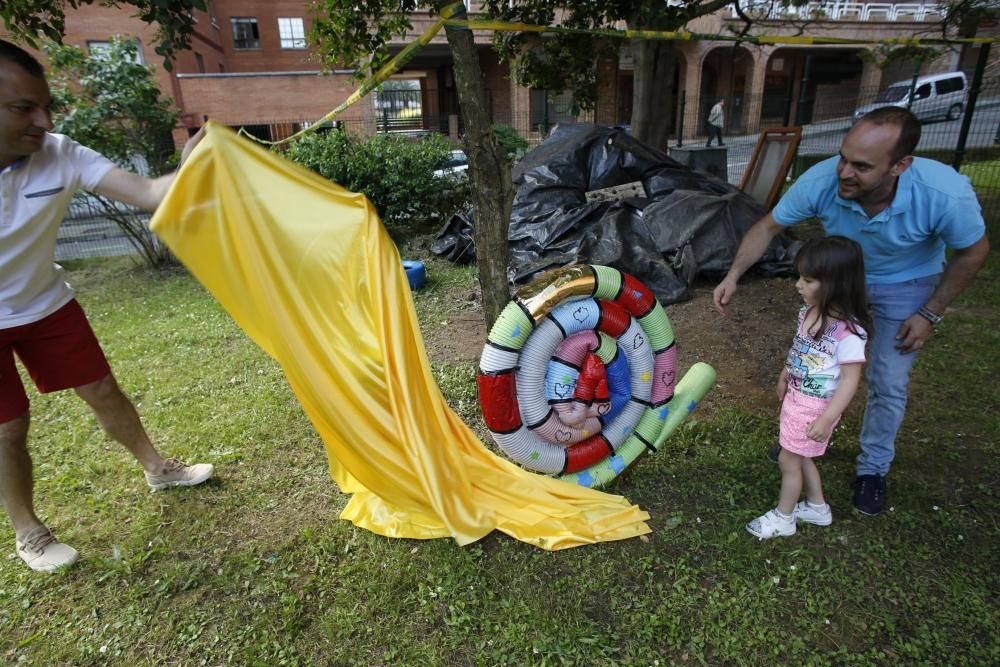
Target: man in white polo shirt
(40, 321)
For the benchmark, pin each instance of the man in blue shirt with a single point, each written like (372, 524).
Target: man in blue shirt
(903, 211)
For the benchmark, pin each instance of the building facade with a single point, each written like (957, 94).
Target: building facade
(250, 66)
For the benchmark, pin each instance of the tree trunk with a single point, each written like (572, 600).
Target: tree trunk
(489, 171)
(653, 92)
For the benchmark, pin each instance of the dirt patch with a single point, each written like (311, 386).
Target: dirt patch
(747, 348)
(460, 339)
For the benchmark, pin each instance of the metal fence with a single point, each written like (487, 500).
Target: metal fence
(824, 111)
(969, 141)
(86, 231)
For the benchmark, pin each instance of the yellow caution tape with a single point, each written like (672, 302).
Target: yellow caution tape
(449, 22)
(376, 79)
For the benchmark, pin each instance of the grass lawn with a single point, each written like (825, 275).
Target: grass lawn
(254, 568)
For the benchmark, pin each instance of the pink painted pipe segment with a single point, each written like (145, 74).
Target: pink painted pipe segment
(664, 375)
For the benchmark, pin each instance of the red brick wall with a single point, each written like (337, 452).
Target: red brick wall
(96, 23)
(287, 97)
(270, 57)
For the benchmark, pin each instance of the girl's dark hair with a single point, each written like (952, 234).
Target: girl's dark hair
(839, 265)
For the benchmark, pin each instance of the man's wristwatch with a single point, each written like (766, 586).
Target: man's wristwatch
(929, 315)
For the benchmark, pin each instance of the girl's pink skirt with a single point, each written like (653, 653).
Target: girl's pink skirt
(798, 411)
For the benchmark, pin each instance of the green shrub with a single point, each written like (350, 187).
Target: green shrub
(111, 103)
(513, 143)
(395, 173)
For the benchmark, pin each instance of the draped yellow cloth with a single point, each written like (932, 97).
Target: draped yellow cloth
(307, 270)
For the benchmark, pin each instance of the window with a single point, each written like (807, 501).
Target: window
(200, 62)
(292, 33)
(399, 105)
(549, 107)
(245, 34)
(952, 85)
(328, 126)
(260, 131)
(923, 92)
(98, 49)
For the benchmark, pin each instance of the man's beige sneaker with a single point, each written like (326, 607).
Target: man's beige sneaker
(177, 473)
(43, 552)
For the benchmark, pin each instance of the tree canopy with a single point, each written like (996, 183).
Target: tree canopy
(31, 21)
(109, 102)
(355, 34)
(566, 61)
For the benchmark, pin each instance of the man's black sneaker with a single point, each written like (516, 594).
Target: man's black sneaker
(774, 453)
(869, 494)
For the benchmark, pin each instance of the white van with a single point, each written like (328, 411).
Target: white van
(935, 96)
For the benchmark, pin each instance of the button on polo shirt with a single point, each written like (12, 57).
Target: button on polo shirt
(35, 193)
(7, 193)
(934, 208)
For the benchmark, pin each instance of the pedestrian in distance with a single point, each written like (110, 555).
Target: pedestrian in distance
(716, 121)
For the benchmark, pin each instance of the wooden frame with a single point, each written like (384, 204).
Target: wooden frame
(772, 158)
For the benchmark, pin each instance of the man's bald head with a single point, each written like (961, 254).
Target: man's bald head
(902, 119)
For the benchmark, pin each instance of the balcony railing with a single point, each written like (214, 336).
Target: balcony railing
(842, 11)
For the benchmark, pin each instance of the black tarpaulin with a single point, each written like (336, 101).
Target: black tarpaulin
(689, 223)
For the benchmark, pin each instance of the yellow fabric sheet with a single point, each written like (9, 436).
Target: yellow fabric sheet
(307, 270)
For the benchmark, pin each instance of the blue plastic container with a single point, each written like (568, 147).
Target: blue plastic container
(416, 273)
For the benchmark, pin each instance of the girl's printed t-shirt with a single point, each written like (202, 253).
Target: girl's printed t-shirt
(814, 365)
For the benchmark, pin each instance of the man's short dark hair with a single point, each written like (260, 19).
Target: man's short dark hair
(905, 120)
(21, 58)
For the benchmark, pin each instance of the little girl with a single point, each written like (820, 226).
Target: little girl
(821, 374)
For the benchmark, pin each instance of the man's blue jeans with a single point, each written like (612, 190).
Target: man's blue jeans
(888, 370)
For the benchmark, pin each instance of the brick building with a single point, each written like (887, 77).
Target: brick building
(249, 65)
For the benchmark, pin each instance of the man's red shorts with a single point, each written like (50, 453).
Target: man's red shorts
(59, 352)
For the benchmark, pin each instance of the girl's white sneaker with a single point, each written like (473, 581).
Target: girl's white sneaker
(771, 524)
(806, 512)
